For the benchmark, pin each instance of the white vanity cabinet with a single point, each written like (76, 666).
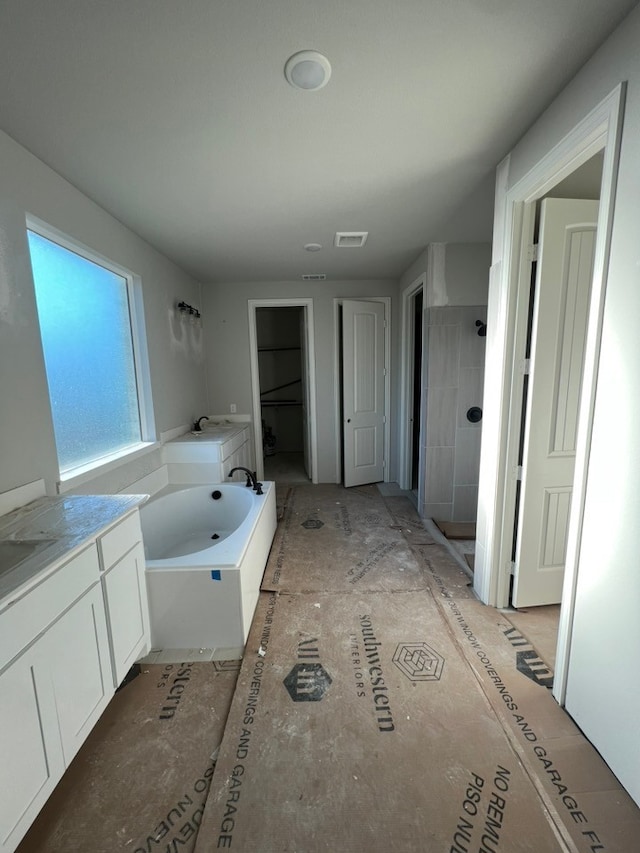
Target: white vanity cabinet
(125, 593)
(55, 682)
(68, 636)
(207, 457)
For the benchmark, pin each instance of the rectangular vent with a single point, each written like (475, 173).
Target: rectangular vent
(350, 239)
(318, 276)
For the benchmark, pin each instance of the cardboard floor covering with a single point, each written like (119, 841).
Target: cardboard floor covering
(458, 529)
(362, 728)
(140, 780)
(371, 717)
(337, 539)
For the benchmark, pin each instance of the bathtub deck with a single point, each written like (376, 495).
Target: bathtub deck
(369, 714)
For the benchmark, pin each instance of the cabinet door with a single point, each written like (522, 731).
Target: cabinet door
(128, 611)
(80, 670)
(32, 760)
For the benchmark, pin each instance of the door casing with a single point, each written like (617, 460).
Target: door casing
(506, 338)
(309, 343)
(405, 426)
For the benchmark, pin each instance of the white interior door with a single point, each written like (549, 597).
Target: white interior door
(304, 371)
(363, 384)
(563, 285)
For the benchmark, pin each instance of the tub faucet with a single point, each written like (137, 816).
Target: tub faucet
(251, 479)
(196, 424)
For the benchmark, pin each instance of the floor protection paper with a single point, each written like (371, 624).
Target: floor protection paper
(359, 726)
(592, 810)
(140, 781)
(337, 539)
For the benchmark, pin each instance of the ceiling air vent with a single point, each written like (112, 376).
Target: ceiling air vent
(351, 239)
(317, 276)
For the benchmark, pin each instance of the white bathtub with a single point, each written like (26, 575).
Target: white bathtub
(203, 590)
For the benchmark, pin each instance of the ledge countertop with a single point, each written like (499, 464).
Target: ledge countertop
(64, 524)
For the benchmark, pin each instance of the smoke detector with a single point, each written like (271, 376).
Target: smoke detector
(307, 70)
(350, 239)
(318, 276)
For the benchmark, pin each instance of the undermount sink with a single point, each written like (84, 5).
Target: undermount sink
(16, 551)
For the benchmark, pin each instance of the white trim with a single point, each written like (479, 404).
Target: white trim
(337, 374)
(599, 129)
(337, 383)
(97, 467)
(407, 338)
(83, 473)
(307, 305)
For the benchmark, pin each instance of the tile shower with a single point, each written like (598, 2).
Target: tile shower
(453, 377)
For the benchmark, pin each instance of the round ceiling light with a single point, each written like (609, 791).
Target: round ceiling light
(308, 70)
(312, 247)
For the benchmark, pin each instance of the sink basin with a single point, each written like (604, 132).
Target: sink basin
(16, 551)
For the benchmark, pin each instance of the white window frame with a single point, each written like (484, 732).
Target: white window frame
(101, 465)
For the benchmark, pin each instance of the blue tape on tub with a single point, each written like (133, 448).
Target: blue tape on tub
(215, 575)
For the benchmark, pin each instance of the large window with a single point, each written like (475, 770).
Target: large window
(89, 341)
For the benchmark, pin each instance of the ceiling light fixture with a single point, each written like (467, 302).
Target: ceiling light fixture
(308, 70)
(312, 247)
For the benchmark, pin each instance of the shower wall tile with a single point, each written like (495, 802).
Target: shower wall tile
(453, 384)
(444, 356)
(467, 458)
(441, 512)
(470, 390)
(439, 475)
(465, 503)
(445, 316)
(441, 417)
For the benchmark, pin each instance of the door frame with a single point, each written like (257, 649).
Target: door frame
(337, 376)
(506, 337)
(405, 428)
(307, 305)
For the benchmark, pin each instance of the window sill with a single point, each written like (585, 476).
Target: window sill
(84, 473)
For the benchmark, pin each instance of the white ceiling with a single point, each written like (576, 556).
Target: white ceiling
(175, 116)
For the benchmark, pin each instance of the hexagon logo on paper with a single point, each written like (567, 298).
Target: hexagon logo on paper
(419, 662)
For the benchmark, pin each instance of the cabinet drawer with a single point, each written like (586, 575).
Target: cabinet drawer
(119, 540)
(23, 621)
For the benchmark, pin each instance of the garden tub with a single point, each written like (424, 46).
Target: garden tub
(206, 548)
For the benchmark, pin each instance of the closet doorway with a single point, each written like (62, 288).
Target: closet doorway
(281, 335)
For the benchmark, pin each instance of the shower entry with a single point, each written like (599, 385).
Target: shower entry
(453, 388)
(443, 378)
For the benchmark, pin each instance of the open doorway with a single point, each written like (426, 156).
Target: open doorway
(508, 316)
(564, 230)
(283, 386)
(411, 464)
(417, 302)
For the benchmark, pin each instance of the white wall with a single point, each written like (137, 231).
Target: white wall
(226, 326)
(466, 274)
(27, 449)
(603, 672)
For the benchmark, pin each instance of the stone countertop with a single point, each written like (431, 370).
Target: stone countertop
(63, 524)
(215, 432)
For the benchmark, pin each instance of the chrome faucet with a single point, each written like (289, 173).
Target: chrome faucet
(196, 424)
(251, 479)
